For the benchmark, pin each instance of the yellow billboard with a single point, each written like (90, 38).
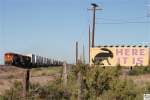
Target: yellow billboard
(124, 56)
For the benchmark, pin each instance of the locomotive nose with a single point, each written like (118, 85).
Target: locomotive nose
(8, 57)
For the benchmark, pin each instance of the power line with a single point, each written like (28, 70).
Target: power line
(142, 22)
(134, 18)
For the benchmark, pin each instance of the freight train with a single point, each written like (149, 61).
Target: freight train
(29, 61)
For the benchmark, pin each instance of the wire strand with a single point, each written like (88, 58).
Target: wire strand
(147, 22)
(135, 18)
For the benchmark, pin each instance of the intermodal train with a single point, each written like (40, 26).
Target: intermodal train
(29, 61)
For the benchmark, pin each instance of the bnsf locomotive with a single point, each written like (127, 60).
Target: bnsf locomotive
(29, 61)
(17, 60)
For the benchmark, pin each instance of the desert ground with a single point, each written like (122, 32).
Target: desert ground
(10, 74)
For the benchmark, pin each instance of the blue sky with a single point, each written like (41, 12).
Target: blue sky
(50, 27)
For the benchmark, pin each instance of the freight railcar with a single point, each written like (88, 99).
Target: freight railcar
(39, 61)
(17, 60)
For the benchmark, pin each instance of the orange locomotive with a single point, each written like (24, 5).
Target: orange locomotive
(17, 60)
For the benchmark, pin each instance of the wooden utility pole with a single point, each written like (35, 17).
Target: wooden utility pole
(83, 56)
(93, 30)
(26, 82)
(76, 53)
(79, 73)
(94, 5)
(148, 15)
(89, 43)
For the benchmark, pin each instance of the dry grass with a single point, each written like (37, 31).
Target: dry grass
(10, 74)
(46, 71)
(140, 80)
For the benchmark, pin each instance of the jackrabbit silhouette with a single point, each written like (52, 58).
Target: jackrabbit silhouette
(100, 57)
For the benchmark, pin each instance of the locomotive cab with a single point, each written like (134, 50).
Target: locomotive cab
(17, 60)
(8, 59)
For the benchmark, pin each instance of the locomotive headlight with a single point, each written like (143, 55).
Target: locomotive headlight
(8, 56)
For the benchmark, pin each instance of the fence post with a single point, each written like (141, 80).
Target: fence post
(79, 85)
(64, 73)
(26, 81)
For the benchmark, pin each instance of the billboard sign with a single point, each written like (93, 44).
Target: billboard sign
(124, 56)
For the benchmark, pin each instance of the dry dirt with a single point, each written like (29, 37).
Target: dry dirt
(10, 74)
(138, 80)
